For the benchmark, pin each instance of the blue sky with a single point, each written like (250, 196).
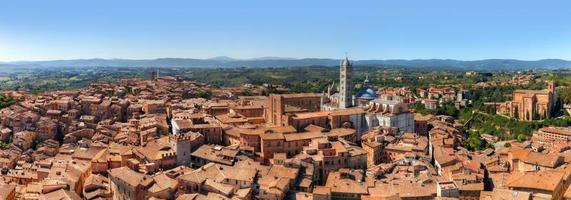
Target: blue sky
(377, 29)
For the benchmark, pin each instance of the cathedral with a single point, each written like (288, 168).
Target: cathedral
(387, 110)
(531, 105)
(342, 97)
(365, 94)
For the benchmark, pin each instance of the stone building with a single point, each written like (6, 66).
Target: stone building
(555, 133)
(154, 106)
(347, 184)
(408, 145)
(390, 113)
(293, 143)
(224, 180)
(353, 118)
(184, 144)
(374, 143)
(345, 84)
(280, 105)
(328, 156)
(201, 123)
(542, 185)
(127, 184)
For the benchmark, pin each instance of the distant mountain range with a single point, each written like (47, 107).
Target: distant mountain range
(228, 62)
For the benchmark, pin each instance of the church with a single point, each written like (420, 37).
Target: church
(386, 111)
(531, 105)
(341, 97)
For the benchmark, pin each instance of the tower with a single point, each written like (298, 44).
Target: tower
(551, 86)
(157, 77)
(184, 144)
(345, 84)
(155, 74)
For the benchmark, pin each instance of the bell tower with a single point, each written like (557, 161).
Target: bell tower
(345, 84)
(551, 86)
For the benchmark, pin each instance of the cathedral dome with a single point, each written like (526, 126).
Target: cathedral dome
(367, 93)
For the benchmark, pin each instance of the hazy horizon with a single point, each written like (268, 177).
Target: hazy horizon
(276, 58)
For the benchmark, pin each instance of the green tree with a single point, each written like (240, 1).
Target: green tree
(474, 142)
(521, 137)
(203, 94)
(6, 101)
(36, 142)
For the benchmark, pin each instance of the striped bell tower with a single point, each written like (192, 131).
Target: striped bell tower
(345, 84)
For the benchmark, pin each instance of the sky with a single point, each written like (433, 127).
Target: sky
(33, 30)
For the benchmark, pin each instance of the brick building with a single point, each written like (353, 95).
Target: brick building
(531, 104)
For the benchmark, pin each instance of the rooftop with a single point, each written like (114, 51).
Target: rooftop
(129, 176)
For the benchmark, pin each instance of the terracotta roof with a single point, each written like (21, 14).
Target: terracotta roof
(504, 194)
(225, 189)
(183, 123)
(61, 194)
(301, 95)
(322, 190)
(284, 129)
(6, 189)
(567, 194)
(309, 115)
(163, 182)
(544, 180)
(348, 111)
(187, 196)
(557, 130)
(337, 184)
(402, 189)
(302, 136)
(155, 150)
(214, 153)
(272, 136)
(419, 117)
(129, 176)
(546, 160)
(313, 128)
(532, 91)
(340, 132)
